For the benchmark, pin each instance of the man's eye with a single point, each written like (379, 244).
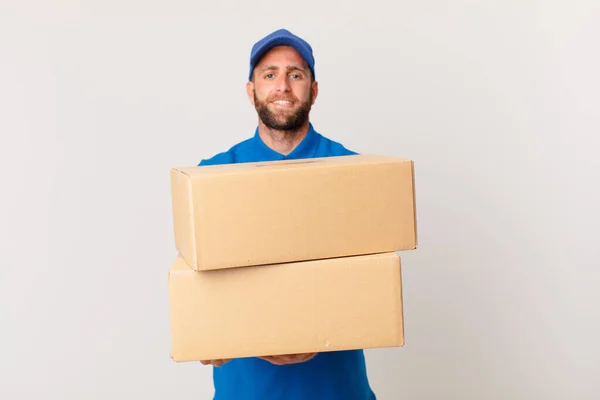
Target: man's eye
(269, 76)
(295, 76)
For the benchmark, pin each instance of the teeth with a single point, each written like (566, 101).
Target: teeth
(282, 102)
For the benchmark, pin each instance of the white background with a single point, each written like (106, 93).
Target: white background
(497, 102)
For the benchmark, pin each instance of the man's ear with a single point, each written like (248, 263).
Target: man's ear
(250, 91)
(315, 91)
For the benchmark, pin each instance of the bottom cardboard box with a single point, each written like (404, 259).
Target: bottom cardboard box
(313, 306)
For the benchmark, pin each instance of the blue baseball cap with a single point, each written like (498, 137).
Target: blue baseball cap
(281, 37)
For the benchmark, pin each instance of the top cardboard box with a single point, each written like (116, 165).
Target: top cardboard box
(247, 214)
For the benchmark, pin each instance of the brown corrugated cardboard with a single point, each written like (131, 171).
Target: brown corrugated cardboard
(311, 306)
(284, 211)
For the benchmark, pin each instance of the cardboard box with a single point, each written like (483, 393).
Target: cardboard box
(284, 211)
(311, 306)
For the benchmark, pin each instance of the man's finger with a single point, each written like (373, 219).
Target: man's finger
(216, 363)
(283, 359)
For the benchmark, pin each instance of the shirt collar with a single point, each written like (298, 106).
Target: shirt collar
(305, 149)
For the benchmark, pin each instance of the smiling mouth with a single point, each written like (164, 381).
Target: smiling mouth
(283, 103)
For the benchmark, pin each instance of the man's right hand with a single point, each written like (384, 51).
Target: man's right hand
(216, 363)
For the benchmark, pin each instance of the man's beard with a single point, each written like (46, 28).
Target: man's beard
(283, 122)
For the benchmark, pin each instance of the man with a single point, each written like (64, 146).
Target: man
(282, 88)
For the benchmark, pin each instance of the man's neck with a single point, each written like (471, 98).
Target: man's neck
(283, 142)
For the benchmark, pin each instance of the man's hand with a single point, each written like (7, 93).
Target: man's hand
(216, 363)
(285, 359)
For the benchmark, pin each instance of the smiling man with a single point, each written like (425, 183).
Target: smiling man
(282, 87)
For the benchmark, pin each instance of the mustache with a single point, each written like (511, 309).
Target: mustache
(285, 98)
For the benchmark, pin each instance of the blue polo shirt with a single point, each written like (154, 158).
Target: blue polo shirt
(339, 375)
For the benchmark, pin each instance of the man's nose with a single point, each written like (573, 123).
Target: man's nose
(282, 84)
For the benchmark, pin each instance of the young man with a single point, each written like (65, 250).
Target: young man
(282, 88)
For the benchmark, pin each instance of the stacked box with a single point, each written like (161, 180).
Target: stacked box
(285, 257)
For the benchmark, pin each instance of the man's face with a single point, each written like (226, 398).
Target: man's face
(282, 89)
